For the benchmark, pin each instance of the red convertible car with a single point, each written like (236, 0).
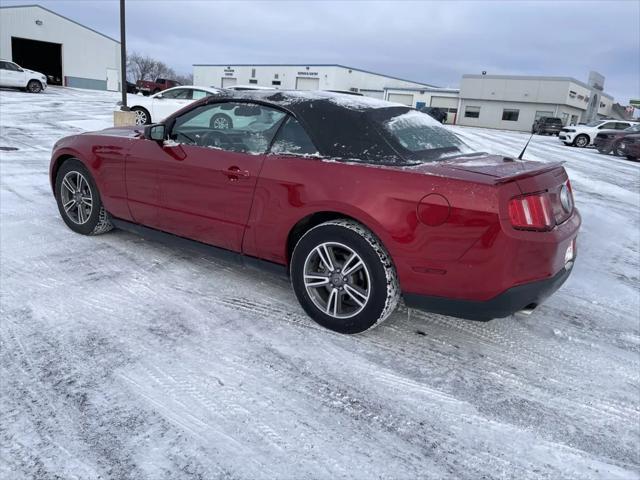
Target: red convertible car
(359, 201)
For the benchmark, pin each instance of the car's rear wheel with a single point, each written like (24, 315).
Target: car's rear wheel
(221, 121)
(142, 116)
(34, 86)
(619, 151)
(79, 201)
(581, 141)
(343, 277)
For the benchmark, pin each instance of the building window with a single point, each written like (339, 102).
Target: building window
(510, 114)
(472, 112)
(275, 82)
(253, 73)
(253, 80)
(276, 76)
(565, 119)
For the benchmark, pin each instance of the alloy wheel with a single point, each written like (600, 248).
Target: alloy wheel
(141, 117)
(77, 200)
(35, 87)
(337, 280)
(221, 123)
(581, 141)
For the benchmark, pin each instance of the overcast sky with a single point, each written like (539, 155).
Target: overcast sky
(428, 41)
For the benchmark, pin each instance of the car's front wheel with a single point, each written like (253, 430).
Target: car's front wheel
(142, 116)
(79, 201)
(34, 86)
(581, 141)
(343, 277)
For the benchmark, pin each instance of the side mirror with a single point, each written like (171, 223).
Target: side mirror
(158, 96)
(156, 132)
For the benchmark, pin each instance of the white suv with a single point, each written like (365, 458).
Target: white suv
(14, 76)
(584, 135)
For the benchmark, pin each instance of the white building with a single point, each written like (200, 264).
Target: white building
(512, 102)
(300, 77)
(67, 52)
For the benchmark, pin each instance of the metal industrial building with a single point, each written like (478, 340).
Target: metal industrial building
(300, 77)
(512, 102)
(67, 52)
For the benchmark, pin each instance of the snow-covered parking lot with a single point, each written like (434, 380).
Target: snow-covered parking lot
(124, 358)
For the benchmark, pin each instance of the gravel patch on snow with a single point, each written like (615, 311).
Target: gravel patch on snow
(123, 358)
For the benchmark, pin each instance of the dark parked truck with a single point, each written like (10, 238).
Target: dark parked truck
(148, 87)
(547, 126)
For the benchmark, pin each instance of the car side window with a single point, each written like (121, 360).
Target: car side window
(178, 94)
(198, 94)
(3, 66)
(607, 126)
(292, 139)
(621, 126)
(233, 126)
(10, 66)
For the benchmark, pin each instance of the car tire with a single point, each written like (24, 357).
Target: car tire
(370, 292)
(619, 151)
(75, 184)
(221, 121)
(581, 141)
(34, 86)
(143, 117)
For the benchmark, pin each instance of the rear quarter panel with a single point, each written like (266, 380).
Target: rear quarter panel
(383, 199)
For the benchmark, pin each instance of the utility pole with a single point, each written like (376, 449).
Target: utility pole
(123, 58)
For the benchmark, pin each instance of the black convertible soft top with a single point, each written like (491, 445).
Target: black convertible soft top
(340, 125)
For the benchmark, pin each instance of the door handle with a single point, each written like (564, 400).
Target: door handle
(235, 173)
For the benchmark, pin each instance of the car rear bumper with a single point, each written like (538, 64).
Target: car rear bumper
(521, 297)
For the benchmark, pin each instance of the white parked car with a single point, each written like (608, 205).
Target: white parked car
(584, 135)
(157, 107)
(14, 76)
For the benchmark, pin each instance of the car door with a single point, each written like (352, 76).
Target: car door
(11, 75)
(207, 172)
(168, 102)
(5, 80)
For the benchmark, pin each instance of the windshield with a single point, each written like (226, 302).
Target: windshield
(553, 120)
(633, 129)
(419, 135)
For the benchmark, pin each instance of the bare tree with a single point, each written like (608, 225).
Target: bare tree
(185, 79)
(143, 67)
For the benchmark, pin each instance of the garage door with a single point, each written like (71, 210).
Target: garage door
(45, 57)
(444, 102)
(307, 83)
(228, 81)
(404, 98)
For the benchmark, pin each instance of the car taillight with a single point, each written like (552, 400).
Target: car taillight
(531, 212)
